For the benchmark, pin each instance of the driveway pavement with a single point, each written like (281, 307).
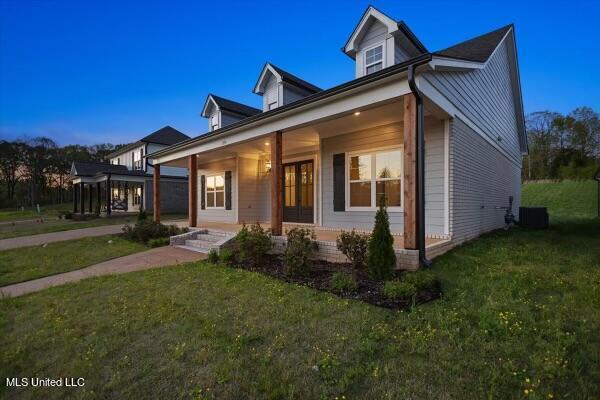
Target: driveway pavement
(153, 258)
(36, 240)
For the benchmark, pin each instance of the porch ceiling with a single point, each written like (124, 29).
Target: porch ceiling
(306, 137)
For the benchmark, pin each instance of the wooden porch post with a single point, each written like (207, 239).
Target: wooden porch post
(276, 185)
(82, 197)
(156, 191)
(91, 199)
(410, 172)
(192, 190)
(98, 196)
(75, 198)
(108, 196)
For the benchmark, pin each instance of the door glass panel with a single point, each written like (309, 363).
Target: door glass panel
(290, 186)
(306, 196)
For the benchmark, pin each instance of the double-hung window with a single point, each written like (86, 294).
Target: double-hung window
(373, 175)
(373, 59)
(137, 160)
(215, 191)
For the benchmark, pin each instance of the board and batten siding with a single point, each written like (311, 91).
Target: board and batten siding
(481, 179)
(382, 137)
(218, 215)
(486, 98)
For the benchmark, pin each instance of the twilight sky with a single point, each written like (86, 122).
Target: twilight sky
(113, 71)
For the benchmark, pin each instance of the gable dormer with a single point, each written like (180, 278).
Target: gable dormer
(278, 87)
(221, 112)
(379, 41)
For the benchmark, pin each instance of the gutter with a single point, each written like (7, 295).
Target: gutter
(356, 83)
(420, 155)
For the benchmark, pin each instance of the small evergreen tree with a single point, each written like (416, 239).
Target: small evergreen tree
(382, 258)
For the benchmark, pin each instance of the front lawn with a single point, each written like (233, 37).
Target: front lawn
(519, 319)
(49, 211)
(58, 225)
(28, 263)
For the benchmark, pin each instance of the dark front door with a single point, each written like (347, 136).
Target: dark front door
(298, 192)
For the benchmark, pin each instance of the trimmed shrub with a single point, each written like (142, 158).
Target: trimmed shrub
(146, 230)
(158, 242)
(399, 290)
(300, 250)
(342, 282)
(421, 280)
(213, 256)
(253, 244)
(382, 257)
(354, 246)
(142, 216)
(226, 256)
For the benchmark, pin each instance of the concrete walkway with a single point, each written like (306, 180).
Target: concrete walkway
(158, 257)
(36, 240)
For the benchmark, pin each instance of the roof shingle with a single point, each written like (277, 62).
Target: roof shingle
(478, 49)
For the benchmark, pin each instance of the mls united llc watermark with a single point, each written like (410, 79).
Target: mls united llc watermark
(45, 382)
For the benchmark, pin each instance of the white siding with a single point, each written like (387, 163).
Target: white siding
(375, 33)
(251, 191)
(164, 170)
(481, 179)
(434, 177)
(271, 93)
(218, 215)
(486, 98)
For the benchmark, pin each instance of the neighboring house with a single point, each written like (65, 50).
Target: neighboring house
(124, 184)
(326, 157)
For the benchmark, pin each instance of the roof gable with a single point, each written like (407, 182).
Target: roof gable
(166, 135)
(371, 16)
(227, 105)
(478, 49)
(282, 76)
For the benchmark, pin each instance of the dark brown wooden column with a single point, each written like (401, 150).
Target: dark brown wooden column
(108, 196)
(276, 185)
(82, 197)
(91, 199)
(74, 198)
(193, 190)
(156, 193)
(410, 173)
(98, 196)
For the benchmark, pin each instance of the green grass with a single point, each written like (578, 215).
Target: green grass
(58, 225)
(570, 199)
(28, 263)
(520, 312)
(48, 211)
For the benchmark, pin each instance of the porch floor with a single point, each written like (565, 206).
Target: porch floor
(323, 233)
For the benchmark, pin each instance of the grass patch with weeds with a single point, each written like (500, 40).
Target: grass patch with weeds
(26, 263)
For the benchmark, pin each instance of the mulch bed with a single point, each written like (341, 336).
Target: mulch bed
(319, 278)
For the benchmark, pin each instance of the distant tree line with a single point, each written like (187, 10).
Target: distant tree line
(562, 146)
(35, 170)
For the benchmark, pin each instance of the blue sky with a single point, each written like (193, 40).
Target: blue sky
(88, 72)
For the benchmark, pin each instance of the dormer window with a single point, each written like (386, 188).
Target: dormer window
(214, 123)
(278, 87)
(373, 59)
(273, 105)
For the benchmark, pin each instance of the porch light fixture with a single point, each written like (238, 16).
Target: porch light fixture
(357, 113)
(267, 144)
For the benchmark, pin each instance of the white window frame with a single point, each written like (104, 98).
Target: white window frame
(364, 54)
(137, 164)
(272, 105)
(373, 152)
(207, 207)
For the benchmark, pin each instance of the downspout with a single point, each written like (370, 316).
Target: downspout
(423, 261)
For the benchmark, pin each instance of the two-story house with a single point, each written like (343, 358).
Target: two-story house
(438, 134)
(124, 182)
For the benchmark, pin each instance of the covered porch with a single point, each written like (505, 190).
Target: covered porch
(328, 173)
(105, 194)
